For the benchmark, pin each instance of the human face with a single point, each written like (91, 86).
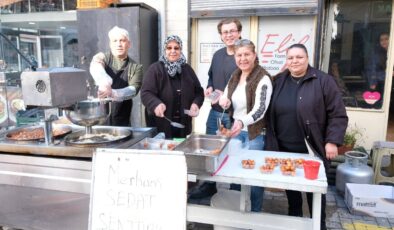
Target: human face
(229, 34)
(384, 41)
(297, 61)
(173, 51)
(119, 46)
(245, 59)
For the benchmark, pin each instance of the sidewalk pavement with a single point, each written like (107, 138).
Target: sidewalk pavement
(338, 215)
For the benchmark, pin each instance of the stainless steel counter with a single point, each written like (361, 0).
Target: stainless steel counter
(46, 193)
(47, 187)
(60, 149)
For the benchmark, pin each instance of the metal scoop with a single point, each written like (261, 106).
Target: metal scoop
(175, 124)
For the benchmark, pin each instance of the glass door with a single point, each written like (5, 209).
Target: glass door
(51, 51)
(357, 41)
(11, 61)
(28, 46)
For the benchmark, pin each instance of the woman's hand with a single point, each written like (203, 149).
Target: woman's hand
(160, 109)
(208, 91)
(331, 151)
(224, 102)
(215, 96)
(194, 110)
(237, 127)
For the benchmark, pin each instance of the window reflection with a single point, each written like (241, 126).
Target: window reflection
(357, 57)
(27, 6)
(53, 47)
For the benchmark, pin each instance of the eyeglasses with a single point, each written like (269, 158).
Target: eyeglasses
(227, 32)
(242, 42)
(176, 48)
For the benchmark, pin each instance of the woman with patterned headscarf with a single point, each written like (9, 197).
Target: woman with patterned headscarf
(171, 89)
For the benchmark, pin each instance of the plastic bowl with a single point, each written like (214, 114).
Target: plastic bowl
(311, 169)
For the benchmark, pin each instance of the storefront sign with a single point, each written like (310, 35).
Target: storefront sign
(136, 189)
(277, 34)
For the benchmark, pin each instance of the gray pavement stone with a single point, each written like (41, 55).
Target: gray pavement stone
(358, 217)
(346, 221)
(333, 225)
(348, 226)
(333, 220)
(383, 222)
(371, 218)
(344, 214)
(280, 198)
(333, 204)
(366, 222)
(330, 198)
(341, 203)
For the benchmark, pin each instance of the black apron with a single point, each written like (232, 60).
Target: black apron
(120, 111)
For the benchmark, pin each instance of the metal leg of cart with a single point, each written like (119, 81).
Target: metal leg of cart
(316, 210)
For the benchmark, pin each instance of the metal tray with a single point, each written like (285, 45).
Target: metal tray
(199, 150)
(60, 131)
(155, 144)
(95, 139)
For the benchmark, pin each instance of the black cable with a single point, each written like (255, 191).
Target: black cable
(33, 66)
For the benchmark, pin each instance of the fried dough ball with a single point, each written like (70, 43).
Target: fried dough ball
(248, 164)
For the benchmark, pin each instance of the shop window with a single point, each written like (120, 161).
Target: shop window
(358, 55)
(26, 6)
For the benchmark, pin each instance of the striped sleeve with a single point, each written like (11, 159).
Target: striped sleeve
(262, 100)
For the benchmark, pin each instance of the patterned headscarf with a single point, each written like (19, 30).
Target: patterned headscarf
(173, 67)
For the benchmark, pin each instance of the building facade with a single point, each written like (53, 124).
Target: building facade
(343, 38)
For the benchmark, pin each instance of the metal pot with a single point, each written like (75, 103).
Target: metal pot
(89, 112)
(354, 170)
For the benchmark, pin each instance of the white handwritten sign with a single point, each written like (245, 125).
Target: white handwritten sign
(138, 190)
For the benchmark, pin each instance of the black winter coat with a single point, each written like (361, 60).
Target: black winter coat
(321, 113)
(156, 88)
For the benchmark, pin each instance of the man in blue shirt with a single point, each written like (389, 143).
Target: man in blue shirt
(220, 71)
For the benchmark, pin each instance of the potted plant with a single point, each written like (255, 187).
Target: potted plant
(352, 135)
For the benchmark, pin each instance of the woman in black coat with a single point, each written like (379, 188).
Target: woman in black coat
(306, 108)
(170, 88)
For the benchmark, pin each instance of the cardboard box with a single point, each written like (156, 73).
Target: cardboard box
(371, 200)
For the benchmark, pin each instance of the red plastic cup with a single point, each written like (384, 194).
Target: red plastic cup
(311, 169)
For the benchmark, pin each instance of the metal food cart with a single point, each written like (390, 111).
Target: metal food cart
(42, 192)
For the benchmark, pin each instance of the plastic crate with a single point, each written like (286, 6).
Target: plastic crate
(91, 4)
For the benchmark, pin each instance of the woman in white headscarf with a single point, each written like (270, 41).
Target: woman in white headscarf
(170, 86)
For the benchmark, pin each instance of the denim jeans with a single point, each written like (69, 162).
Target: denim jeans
(212, 126)
(256, 192)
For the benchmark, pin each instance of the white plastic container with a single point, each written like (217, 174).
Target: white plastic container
(226, 199)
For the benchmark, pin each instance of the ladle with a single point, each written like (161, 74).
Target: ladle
(175, 124)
